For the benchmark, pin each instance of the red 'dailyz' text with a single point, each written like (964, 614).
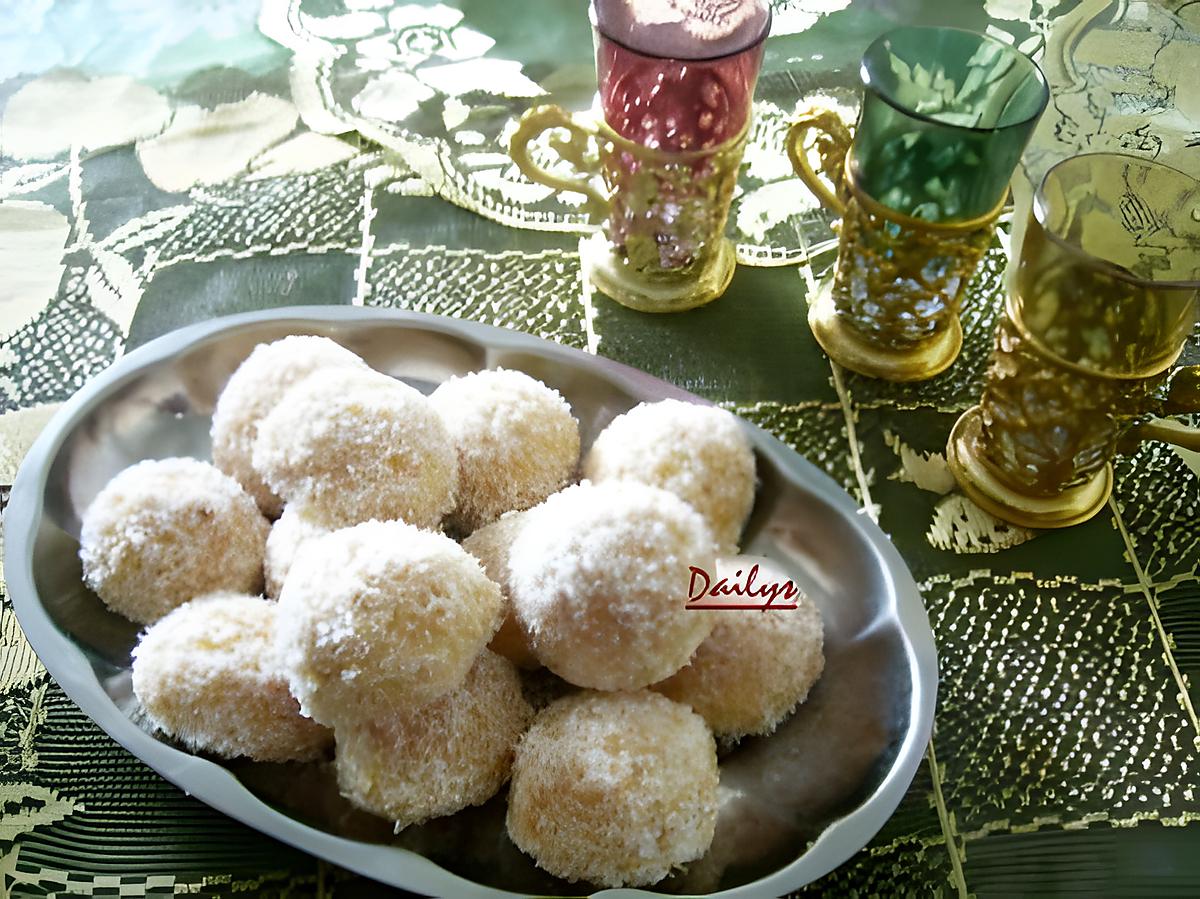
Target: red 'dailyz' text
(705, 593)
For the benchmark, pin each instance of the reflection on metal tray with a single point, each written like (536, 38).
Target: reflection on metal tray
(794, 805)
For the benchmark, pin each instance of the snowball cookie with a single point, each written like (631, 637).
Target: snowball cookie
(165, 531)
(699, 453)
(423, 762)
(517, 443)
(380, 617)
(491, 545)
(755, 667)
(599, 580)
(252, 391)
(208, 675)
(291, 529)
(352, 445)
(614, 788)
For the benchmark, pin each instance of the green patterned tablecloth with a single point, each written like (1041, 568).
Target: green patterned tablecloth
(161, 164)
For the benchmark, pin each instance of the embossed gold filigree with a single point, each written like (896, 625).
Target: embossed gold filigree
(832, 141)
(899, 282)
(1036, 451)
(661, 245)
(1103, 300)
(891, 310)
(1050, 429)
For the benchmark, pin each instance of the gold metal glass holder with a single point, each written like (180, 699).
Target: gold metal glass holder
(983, 487)
(832, 327)
(657, 291)
(988, 489)
(846, 346)
(633, 175)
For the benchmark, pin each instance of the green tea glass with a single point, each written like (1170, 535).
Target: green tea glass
(945, 116)
(1106, 293)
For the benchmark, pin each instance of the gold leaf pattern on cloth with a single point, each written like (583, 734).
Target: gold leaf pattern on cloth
(205, 146)
(961, 526)
(25, 179)
(90, 114)
(502, 77)
(19, 665)
(1119, 97)
(1190, 458)
(27, 806)
(392, 96)
(113, 285)
(32, 238)
(928, 471)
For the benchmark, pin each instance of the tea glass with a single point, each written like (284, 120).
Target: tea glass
(1104, 298)
(945, 116)
(670, 141)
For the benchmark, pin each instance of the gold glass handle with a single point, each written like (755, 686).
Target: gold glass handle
(1183, 396)
(540, 119)
(1168, 432)
(833, 143)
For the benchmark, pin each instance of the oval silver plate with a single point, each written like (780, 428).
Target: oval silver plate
(795, 805)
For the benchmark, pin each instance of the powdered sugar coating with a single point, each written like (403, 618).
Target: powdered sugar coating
(491, 545)
(291, 529)
(207, 674)
(599, 577)
(167, 530)
(253, 390)
(614, 788)
(699, 453)
(756, 666)
(380, 617)
(352, 445)
(516, 439)
(436, 759)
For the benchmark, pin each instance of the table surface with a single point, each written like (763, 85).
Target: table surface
(161, 164)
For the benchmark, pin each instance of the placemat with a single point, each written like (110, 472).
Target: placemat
(162, 164)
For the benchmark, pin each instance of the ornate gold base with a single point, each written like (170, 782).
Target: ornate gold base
(663, 291)
(847, 348)
(1071, 507)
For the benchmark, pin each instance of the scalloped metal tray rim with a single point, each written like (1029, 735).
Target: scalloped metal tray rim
(220, 789)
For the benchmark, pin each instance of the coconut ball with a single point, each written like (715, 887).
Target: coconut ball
(353, 445)
(165, 531)
(380, 617)
(614, 788)
(253, 391)
(756, 666)
(423, 762)
(599, 577)
(516, 439)
(491, 545)
(699, 453)
(291, 529)
(208, 675)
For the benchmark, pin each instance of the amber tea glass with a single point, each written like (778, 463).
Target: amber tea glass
(1105, 296)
